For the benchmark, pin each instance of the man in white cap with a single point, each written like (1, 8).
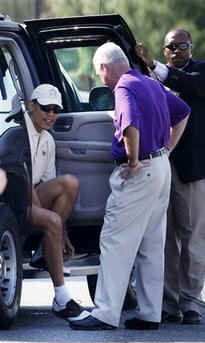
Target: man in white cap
(52, 197)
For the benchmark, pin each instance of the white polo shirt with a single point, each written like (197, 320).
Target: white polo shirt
(42, 148)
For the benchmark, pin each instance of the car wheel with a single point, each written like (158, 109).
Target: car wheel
(10, 270)
(130, 301)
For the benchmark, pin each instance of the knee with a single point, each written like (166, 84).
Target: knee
(70, 184)
(54, 227)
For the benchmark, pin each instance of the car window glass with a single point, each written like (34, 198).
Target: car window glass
(77, 68)
(9, 87)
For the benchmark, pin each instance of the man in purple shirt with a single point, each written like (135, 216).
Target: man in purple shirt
(134, 227)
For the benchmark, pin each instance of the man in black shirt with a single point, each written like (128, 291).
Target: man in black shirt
(184, 263)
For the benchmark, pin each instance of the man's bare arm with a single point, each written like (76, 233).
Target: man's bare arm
(131, 141)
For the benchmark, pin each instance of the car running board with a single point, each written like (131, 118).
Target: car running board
(79, 265)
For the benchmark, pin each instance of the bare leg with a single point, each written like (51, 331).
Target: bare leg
(50, 224)
(57, 198)
(59, 195)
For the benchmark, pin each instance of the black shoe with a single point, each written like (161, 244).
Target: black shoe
(170, 318)
(39, 264)
(191, 317)
(138, 324)
(38, 261)
(70, 311)
(90, 323)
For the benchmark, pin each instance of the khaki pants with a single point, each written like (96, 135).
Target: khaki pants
(134, 233)
(185, 247)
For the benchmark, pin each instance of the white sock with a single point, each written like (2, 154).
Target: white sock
(62, 295)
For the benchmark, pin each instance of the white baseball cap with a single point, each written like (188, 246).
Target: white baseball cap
(47, 94)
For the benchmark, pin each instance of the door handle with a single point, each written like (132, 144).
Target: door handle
(78, 151)
(62, 128)
(63, 124)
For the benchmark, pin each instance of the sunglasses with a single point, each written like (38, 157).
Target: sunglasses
(181, 46)
(50, 108)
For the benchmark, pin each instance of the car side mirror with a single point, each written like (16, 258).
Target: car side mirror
(101, 99)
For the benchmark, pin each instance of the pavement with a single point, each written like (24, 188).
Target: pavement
(31, 289)
(37, 324)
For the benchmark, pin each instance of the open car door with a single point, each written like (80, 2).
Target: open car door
(64, 49)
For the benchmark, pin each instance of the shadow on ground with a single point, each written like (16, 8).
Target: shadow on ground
(38, 324)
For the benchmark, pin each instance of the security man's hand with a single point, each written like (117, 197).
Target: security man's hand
(144, 54)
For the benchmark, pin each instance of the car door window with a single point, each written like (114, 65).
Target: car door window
(9, 87)
(77, 68)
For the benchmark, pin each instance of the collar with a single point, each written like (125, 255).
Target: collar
(129, 71)
(184, 66)
(31, 128)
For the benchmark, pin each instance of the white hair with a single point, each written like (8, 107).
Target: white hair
(109, 53)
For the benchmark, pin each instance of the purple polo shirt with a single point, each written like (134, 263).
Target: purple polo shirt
(145, 104)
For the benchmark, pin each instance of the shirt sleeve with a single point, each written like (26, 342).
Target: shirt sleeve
(127, 113)
(178, 109)
(191, 84)
(160, 71)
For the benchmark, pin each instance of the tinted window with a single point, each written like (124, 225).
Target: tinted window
(77, 68)
(9, 87)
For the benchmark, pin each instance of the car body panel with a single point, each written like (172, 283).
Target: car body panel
(83, 147)
(101, 27)
(59, 51)
(83, 135)
(85, 151)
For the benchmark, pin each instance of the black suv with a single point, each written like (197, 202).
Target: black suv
(57, 51)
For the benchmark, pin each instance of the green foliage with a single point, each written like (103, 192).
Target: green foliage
(20, 10)
(63, 8)
(69, 61)
(77, 62)
(149, 20)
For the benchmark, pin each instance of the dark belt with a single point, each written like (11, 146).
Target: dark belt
(157, 153)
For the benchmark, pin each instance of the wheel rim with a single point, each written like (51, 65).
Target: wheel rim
(8, 268)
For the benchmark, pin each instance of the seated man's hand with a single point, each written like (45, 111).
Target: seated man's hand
(68, 248)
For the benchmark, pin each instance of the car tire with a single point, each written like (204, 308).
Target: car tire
(130, 301)
(10, 268)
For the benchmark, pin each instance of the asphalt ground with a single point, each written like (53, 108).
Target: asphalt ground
(36, 323)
